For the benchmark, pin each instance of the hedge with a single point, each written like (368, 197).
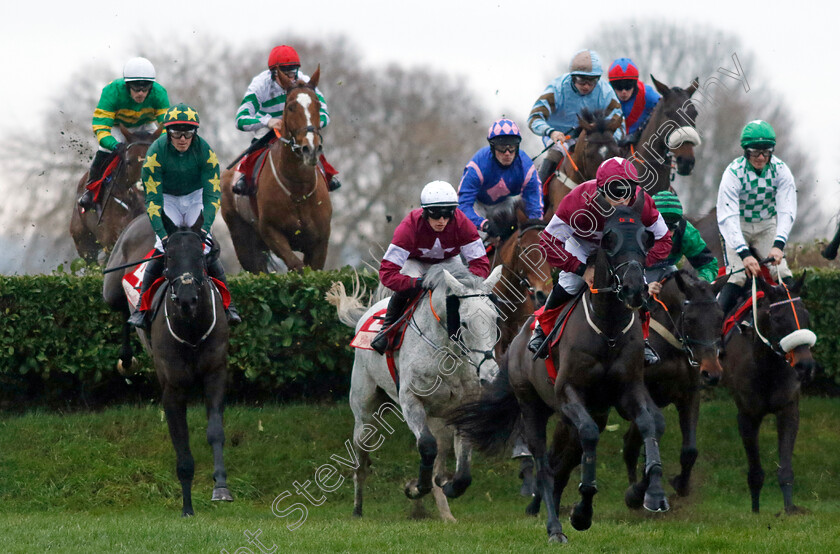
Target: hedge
(59, 341)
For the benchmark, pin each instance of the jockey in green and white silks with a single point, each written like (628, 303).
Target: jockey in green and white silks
(685, 241)
(756, 208)
(137, 102)
(181, 178)
(261, 112)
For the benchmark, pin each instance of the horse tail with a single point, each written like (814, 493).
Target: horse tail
(489, 421)
(350, 307)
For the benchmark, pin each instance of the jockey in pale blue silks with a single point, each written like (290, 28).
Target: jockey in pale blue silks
(637, 100)
(497, 177)
(554, 114)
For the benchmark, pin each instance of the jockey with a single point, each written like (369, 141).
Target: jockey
(181, 176)
(756, 207)
(685, 239)
(137, 102)
(568, 248)
(637, 100)
(497, 177)
(436, 231)
(554, 114)
(261, 112)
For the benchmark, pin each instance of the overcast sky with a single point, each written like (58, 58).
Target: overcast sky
(506, 49)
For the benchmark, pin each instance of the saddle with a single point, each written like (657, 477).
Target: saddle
(553, 323)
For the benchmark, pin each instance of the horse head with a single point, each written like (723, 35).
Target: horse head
(596, 142)
(301, 127)
(134, 155)
(624, 247)
(783, 324)
(699, 325)
(673, 122)
(528, 261)
(471, 316)
(185, 269)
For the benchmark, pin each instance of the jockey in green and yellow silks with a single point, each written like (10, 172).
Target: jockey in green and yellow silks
(181, 178)
(136, 102)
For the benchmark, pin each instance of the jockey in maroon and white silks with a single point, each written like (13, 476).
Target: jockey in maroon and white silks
(435, 232)
(414, 239)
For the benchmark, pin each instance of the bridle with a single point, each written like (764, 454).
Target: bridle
(188, 278)
(785, 346)
(520, 273)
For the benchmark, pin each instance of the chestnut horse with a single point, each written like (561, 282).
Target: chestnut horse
(668, 139)
(595, 144)
(291, 210)
(121, 199)
(766, 360)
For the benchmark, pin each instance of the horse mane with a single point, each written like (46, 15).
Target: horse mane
(596, 117)
(434, 278)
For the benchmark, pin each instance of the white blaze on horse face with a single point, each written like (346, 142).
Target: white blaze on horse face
(305, 101)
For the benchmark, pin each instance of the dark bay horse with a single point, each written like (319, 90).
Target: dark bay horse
(121, 199)
(830, 250)
(668, 139)
(188, 342)
(599, 363)
(594, 145)
(292, 209)
(766, 360)
(526, 274)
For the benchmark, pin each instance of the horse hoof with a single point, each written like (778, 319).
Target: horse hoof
(794, 510)
(680, 485)
(357, 512)
(443, 479)
(187, 513)
(414, 492)
(222, 493)
(559, 538)
(656, 503)
(633, 497)
(581, 517)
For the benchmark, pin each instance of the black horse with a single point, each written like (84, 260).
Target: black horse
(188, 342)
(599, 362)
(766, 359)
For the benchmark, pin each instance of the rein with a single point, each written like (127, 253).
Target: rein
(187, 279)
(786, 344)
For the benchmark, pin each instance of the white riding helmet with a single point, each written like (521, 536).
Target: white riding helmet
(138, 69)
(438, 193)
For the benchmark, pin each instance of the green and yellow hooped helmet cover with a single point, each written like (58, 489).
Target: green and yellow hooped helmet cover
(181, 114)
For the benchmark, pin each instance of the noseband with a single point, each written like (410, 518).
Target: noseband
(786, 345)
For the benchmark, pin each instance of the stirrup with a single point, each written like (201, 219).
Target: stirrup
(536, 341)
(138, 319)
(651, 357)
(241, 187)
(380, 342)
(233, 315)
(334, 184)
(86, 201)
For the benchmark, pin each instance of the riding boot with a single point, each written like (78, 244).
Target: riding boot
(651, 357)
(217, 271)
(243, 187)
(728, 297)
(97, 168)
(154, 269)
(396, 306)
(547, 167)
(334, 184)
(556, 298)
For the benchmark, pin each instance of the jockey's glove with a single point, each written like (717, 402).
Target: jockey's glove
(119, 149)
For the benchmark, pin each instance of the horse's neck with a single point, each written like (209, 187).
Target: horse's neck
(656, 158)
(295, 174)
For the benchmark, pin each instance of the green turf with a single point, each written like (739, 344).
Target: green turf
(104, 482)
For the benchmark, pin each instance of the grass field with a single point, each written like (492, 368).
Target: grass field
(105, 482)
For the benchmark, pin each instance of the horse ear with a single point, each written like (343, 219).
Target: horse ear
(683, 286)
(799, 283)
(649, 240)
(660, 87)
(313, 81)
(692, 88)
(493, 278)
(521, 218)
(718, 283)
(454, 284)
(614, 123)
(285, 82)
(585, 124)
(763, 285)
(639, 204)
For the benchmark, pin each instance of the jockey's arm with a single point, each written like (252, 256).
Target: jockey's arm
(532, 190)
(468, 194)
(654, 223)
(785, 206)
(729, 213)
(103, 118)
(212, 189)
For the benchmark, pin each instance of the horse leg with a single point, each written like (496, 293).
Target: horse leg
(175, 408)
(463, 478)
(214, 392)
(415, 417)
(689, 413)
(365, 399)
(535, 418)
(748, 428)
(632, 448)
(279, 244)
(638, 405)
(589, 435)
(445, 438)
(566, 455)
(249, 247)
(830, 250)
(787, 423)
(526, 462)
(126, 359)
(317, 257)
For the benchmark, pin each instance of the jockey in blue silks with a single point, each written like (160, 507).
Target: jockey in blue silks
(554, 114)
(637, 100)
(497, 177)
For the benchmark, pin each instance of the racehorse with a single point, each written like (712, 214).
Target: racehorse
(667, 142)
(595, 144)
(685, 331)
(526, 274)
(122, 198)
(599, 365)
(446, 351)
(188, 342)
(766, 359)
(830, 250)
(292, 209)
